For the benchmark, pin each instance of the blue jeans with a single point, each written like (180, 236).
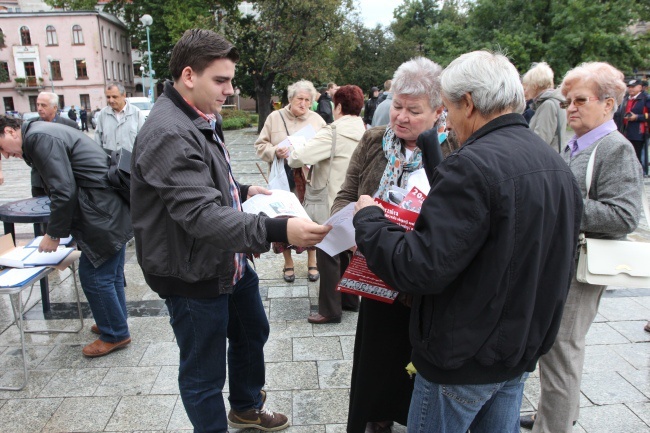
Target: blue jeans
(485, 408)
(104, 289)
(202, 328)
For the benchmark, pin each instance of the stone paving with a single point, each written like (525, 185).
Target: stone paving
(308, 366)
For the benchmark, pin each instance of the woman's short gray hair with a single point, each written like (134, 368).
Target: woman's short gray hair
(302, 86)
(489, 77)
(419, 77)
(603, 78)
(539, 76)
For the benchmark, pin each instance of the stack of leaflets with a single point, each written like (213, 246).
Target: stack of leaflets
(18, 277)
(23, 257)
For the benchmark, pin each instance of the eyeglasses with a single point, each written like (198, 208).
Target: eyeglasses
(578, 102)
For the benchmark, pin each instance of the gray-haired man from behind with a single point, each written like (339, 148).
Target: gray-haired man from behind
(118, 123)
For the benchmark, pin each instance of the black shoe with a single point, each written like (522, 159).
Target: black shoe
(527, 421)
(288, 278)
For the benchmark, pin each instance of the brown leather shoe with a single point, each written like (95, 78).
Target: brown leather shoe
(100, 348)
(94, 329)
(320, 319)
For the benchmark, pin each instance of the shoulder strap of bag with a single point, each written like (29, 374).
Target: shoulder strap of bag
(589, 175)
(559, 130)
(309, 175)
(285, 123)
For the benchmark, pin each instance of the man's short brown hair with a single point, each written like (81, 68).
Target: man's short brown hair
(197, 48)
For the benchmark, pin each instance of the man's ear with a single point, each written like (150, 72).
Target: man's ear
(467, 105)
(187, 77)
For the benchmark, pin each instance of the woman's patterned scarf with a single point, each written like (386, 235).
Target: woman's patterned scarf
(397, 164)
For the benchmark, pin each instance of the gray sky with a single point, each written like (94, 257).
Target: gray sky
(375, 12)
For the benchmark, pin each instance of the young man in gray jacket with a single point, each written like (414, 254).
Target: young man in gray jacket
(192, 239)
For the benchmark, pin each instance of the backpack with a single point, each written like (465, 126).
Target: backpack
(119, 172)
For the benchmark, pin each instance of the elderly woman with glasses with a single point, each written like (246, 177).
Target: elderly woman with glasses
(592, 92)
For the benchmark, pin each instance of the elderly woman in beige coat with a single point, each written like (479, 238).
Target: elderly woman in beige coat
(278, 126)
(338, 141)
(349, 128)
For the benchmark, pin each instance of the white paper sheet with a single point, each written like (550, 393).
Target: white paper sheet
(47, 259)
(341, 237)
(279, 204)
(16, 277)
(37, 241)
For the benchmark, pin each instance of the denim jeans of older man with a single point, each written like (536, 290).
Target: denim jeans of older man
(485, 408)
(104, 288)
(203, 328)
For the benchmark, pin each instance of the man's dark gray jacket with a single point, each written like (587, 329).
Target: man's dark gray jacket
(490, 259)
(186, 229)
(74, 171)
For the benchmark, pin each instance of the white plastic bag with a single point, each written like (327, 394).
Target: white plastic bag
(278, 177)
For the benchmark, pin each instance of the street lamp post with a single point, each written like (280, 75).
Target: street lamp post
(144, 87)
(146, 21)
(49, 60)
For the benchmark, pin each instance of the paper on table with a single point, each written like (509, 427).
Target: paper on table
(47, 259)
(37, 241)
(15, 257)
(341, 237)
(16, 277)
(279, 204)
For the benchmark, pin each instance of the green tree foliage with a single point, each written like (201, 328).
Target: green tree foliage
(72, 5)
(563, 33)
(366, 56)
(285, 38)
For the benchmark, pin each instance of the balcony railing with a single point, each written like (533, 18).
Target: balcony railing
(28, 83)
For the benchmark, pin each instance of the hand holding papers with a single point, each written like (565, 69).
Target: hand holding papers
(358, 279)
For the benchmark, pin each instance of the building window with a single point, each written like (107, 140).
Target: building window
(103, 37)
(77, 35)
(9, 103)
(61, 102)
(84, 101)
(108, 71)
(4, 72)
(25, 37)
(113, 69)
(32, 103)
(51, 36)
(82, 72)
(30, 74)
(56, 70)
(110, 40)
(124, 71)
(123, 44)
(119, 71)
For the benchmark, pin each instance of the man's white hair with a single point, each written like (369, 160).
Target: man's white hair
(491, 80)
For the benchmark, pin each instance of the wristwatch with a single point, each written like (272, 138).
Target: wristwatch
(52, 237)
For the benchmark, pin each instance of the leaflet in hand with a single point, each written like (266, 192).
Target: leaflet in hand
(299, 138)
(341, 237)
(279, 204)
(358, 279)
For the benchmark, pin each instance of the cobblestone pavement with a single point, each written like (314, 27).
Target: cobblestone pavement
(308, 366)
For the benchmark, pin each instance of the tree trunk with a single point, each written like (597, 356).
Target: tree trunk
(263, 91)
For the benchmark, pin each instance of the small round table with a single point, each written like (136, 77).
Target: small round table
(35, 210)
